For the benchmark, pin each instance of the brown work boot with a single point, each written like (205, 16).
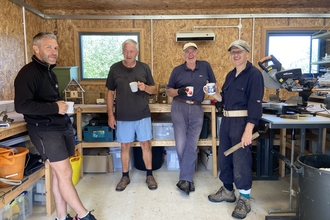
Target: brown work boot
(151, 182)
(124, 181)
(242, 208)
(223, 195)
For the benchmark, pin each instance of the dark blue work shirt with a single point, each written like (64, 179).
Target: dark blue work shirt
(182, 76)
(244, 92)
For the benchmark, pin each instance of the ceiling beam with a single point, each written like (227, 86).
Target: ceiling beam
(164, 17)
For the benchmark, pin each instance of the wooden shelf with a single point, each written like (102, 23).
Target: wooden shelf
(9, 193)
(154, 108)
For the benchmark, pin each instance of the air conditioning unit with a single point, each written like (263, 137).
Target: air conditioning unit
(205, 35)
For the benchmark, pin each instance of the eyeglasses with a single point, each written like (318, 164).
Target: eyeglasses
(190, 51)
(238, 52)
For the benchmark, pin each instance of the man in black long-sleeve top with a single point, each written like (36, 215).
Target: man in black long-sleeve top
(37, 97)
(241, 96)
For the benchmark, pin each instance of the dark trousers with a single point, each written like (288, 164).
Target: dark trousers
(236, 167)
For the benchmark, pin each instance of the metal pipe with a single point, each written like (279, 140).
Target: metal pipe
(24, 32)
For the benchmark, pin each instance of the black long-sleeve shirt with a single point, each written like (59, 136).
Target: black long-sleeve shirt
(36, 94)
(244, 92)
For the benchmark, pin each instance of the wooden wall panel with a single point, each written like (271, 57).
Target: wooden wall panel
(12, 49)
(162, 53)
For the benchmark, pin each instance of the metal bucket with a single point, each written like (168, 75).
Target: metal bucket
(314, 187)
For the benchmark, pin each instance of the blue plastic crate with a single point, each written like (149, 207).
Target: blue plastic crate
(98, 134)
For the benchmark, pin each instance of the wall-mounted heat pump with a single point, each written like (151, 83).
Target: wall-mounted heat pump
(203, 35)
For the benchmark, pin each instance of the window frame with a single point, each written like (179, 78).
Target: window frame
(288, 30)
(77, 33)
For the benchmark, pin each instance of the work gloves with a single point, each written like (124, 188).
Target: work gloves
(182, 91)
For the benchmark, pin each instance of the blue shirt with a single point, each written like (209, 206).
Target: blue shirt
(244, 92)
(182, 76)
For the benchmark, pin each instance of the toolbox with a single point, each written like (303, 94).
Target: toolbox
(101, 133)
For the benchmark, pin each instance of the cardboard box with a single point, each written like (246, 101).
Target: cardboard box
(96, 160)
(95, 163)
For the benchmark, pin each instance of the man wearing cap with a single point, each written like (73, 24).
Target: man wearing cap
(186, 86)
(241, 96)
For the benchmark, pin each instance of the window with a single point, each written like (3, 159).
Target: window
(99, 49)
(296, 49)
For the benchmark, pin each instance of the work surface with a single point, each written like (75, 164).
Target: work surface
(307, 121)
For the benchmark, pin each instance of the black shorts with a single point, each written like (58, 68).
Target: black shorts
(53, 144)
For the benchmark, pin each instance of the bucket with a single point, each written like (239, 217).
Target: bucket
(314, 187)
(12, 165)
(76, 162)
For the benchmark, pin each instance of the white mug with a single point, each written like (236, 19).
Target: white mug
(190, 91)
(70, 107)
(210, 88)
(134, 86)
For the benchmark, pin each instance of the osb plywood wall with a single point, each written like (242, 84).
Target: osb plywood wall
(12, 53)
(161, 52)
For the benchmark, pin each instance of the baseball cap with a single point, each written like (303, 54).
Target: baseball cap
(189, 45)
(241, 44)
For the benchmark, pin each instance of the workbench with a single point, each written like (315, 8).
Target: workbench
(272, 122)
(7, 194)
(154, 108)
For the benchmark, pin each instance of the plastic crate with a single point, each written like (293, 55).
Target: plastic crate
(116, 158)
(163, 131)
(98, 134)
(39, 193)
(172, 160)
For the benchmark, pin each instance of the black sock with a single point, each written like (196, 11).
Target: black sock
(229, 187)
(149, 172)
(126, 174)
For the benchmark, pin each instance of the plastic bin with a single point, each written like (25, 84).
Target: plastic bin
(205, 129)
(157, 158)
(172, 160)
(163, 131)
(116, 158)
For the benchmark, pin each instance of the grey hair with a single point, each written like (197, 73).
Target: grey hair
(130, 41)
(39, 36)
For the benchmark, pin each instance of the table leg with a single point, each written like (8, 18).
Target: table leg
(282, 151)
(302, 141)
(291, 192)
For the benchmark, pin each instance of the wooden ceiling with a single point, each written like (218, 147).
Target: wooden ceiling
(48, 5)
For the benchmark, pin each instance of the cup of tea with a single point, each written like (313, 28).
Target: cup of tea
(190, 91)
(70, 107)
(209, 88)
(134, 86)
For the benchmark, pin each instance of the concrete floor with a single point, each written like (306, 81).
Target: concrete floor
(97, 191)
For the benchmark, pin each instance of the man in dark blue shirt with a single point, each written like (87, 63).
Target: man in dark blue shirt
(241, 96)
(186, 110)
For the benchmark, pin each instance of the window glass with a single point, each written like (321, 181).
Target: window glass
(296, 49)
(98, 51)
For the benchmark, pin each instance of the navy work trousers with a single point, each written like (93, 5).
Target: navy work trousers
(236, 167)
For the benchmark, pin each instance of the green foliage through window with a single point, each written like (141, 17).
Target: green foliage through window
(98, 51)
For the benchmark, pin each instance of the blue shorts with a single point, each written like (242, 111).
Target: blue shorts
(125, 130)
